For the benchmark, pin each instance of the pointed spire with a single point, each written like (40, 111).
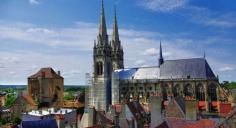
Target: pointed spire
(161, 60)
(204, 55)
(102, 27)
(115, 34)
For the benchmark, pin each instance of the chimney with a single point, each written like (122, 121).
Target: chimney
(59, 73)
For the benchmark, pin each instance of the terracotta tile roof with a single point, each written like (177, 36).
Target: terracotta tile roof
(225, 109)
(72, 104)
(45, 72)
(174, 110)
(228, 116)
(29, 100)
(180, 123)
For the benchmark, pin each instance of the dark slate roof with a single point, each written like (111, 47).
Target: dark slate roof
(47, 123)
(196, 68)
(182, 68)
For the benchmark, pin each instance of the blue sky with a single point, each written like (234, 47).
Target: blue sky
(60, 34)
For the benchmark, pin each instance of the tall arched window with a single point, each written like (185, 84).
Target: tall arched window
(188, 90)
(200, 95)
(165, 91)
(97, 68)
(212, 92)
(176, 90)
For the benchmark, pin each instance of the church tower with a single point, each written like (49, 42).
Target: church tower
(102, 67)
(117, 49)
(107, 57)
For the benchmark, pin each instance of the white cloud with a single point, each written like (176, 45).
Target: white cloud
(139, 62)
(163, 5)
(208, 17)
(33, 2)
(195, 14)
(151, 52)
(226, 68)
(138, 46)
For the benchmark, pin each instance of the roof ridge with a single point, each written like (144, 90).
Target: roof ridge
(185, 59)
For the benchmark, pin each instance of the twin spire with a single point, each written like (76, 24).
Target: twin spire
(103, 28)
(115, 34)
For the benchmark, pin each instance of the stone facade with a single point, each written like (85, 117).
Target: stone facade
(47, 88)
(190, 89)
(191, 79)
(107, 57)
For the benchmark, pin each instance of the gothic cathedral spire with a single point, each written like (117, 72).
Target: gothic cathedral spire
(117, 50)
(115, 34)
(161, 59)
(102, 27)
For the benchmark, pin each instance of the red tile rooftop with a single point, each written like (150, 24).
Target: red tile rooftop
(46, 73)
(179, 123)
(28, 99)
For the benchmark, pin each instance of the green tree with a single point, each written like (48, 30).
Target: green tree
(9, 100)
(16, 120)
(2, 121)
(69, 96)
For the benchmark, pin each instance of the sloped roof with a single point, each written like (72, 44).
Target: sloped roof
(197, 68)
(46, 73)
(194, 68)
(181, 123)
(46, 123)
(29, 100)
(149, 72)
(136, 109)
(174, 110)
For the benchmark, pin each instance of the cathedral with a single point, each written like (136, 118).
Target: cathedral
(190, 79)
(107, 57)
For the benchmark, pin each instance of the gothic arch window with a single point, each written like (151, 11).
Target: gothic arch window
(97, 68)
(176, 90)
(101, 68)
(200, 94)
(212, 92)
(188, 90)
(165, 91)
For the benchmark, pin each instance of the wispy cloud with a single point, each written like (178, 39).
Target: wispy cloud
(34, 2)
(151, 52)
(163, 5)
(227, 68)
(205, 16)
(193, 13)
(140, 48)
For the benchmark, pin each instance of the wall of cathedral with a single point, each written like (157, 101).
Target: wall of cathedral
(142, 90)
